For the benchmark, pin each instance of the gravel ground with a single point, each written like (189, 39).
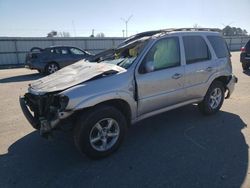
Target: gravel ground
(180, 148)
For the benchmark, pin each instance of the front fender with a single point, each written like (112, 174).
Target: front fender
(100, 98)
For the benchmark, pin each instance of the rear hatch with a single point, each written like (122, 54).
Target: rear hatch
(33, 54)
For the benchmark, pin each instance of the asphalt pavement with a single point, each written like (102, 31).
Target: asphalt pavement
(179, 148)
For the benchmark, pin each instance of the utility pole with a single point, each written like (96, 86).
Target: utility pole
(126, 23)
(123, 33)
(74, 28)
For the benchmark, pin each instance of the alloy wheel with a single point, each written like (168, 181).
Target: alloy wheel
(104, 134)
(215, 98)
(52, 68)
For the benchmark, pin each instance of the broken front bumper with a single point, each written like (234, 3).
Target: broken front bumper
(231, 85)
(42, 124)
(34, 123)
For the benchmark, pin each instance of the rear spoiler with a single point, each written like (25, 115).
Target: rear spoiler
(36, 49)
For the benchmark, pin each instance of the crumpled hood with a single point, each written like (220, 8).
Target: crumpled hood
(72, 75)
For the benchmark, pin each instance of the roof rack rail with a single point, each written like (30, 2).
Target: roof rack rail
(164, 31)
(194, 29)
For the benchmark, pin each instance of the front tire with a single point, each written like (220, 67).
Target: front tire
(100, 131)
(213, 99)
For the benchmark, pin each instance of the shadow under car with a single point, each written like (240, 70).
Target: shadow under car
(179, 148)
(21, 78)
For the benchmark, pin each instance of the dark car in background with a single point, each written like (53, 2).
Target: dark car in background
(245, 56)
(51, 59)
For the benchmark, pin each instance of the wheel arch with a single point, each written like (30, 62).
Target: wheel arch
(120, 104)
(224, 80)
(52, 62)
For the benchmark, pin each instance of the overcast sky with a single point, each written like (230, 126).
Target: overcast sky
(79, 17)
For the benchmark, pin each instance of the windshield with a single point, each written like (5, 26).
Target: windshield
(122, 62)
(123, 56)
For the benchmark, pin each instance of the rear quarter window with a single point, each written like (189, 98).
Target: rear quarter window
(219, 45)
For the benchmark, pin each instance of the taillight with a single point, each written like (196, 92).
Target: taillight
(243, 49)
(33, 56)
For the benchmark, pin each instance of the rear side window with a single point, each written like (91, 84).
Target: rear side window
(55, 50)
(248, 44)
(219, 45)
(196, 49)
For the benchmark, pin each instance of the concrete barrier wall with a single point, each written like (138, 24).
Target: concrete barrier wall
(13, 50)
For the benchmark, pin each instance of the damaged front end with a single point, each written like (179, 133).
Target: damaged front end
(44, 106)
(44, 112)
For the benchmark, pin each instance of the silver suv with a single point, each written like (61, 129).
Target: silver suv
(149, 73)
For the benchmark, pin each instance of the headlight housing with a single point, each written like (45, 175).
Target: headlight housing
(63, 101)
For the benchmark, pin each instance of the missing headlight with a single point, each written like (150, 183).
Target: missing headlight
(63, 100)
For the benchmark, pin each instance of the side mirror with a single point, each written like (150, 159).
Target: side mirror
(149, 66)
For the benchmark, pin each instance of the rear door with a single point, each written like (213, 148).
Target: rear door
(163, 86)
(199, 65)
(63, 57)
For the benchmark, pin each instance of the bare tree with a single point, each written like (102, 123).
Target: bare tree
(64, 34)
(196, 26)
(100, 35)
(245, 32)
(53, 33)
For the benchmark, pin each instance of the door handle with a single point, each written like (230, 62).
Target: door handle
(177, 76)
(209, 69)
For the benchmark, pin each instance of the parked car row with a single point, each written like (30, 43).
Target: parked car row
(245, 56)
(149, 73)
(51, 59)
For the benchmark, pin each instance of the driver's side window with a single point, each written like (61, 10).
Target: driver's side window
(164, 54)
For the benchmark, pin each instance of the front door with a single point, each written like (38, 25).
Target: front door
(62, 56)
(163, 85)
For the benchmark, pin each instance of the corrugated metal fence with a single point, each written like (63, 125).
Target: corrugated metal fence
(13, 50)
(235, 43)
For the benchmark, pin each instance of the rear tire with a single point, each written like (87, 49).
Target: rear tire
(245, 66)
(51, 68)
(213, 99)
(100, 131)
